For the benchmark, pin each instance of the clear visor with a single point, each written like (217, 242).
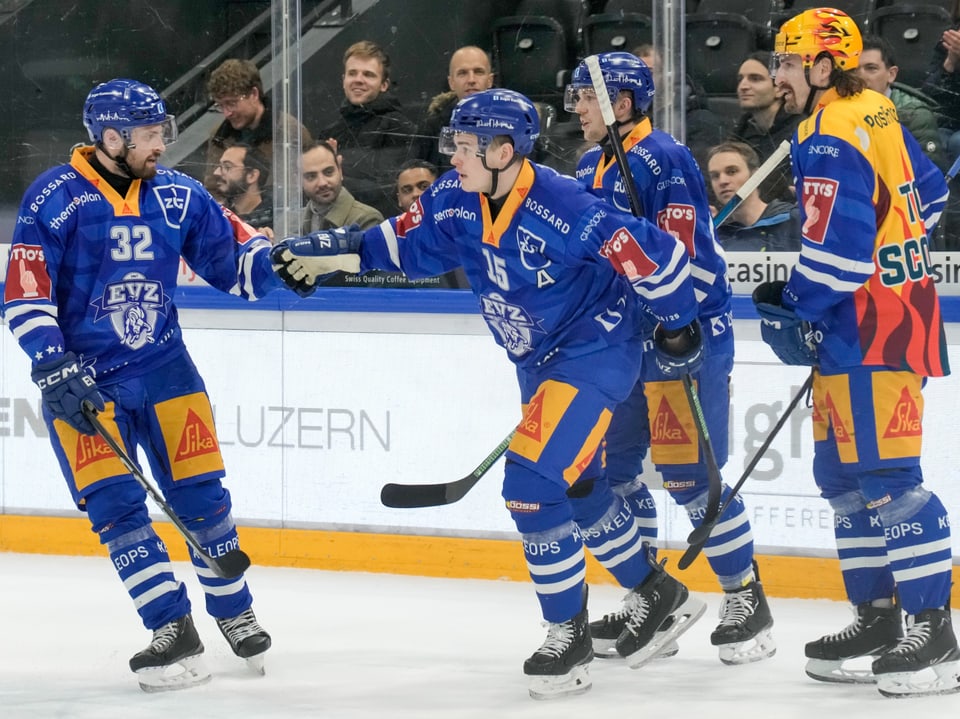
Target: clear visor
(468, 142)
(574, 93)
(165, 132)
(776, 60)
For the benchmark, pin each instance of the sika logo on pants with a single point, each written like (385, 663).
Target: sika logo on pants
(190, 436)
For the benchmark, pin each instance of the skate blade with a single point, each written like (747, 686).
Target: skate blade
(186, 673)
(255, 664)
(844, 671)
(576, 681)
(607, 649)
(683, 617)
(939, 679)
(756, 649)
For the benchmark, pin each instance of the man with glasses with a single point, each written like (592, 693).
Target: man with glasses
(237, 92)
(243, 176)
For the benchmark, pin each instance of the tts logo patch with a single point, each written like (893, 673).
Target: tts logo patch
(626, 255)
(681, 222)
(819, 195)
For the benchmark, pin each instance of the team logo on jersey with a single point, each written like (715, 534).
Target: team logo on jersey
(27, 277)
(819, 194)
(531, 250)
(905, 420)
(133, 305)
(173, 200)
(510, 323)
(626, 255)
(681, 222)
(196, 440)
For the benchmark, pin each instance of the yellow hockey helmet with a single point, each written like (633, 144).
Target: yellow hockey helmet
(821, 30)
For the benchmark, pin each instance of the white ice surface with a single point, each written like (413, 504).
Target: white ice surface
(375, 646)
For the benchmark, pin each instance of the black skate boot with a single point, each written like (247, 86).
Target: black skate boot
(658, 610)
(874, 631)
(606, 631)
(926, 661)
(246, 637)
(743, 634)
(559, 666)
(173, 659)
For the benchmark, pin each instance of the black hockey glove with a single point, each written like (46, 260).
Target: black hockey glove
(790, 338)
(65, 385)
(680, 351)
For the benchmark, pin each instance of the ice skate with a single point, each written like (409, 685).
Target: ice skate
(833, 658)
(560, 666)
(658, 611)
(743, 634)
(247, 638)
(606, 631)
(926, 660)
(173, 660)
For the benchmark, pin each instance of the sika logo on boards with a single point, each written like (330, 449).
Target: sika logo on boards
(196, 440)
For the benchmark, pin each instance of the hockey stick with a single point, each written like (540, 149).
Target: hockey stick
(752, 183)
(700, 535)
(410, 496)
(954, 169)
(715, 483)
(230, 565)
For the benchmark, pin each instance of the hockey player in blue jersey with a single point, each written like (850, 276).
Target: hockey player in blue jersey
(657, 414)
(566, 284)
(89, 297)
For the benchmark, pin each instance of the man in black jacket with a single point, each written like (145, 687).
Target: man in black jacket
(372, 134)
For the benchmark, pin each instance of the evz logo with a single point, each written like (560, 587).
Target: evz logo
(173, 201)
(133, 305)
(509, 322)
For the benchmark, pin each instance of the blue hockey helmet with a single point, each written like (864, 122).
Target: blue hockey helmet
(123, 105)
(621, 72)
(492, 113)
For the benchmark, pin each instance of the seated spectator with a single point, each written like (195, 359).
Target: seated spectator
(942, 84)
(242, 177)
(469, 72)
(329, 203)
(764, 123)
(878, 68)
(372, 134)
(755, 226)
(413, 178)
(236, 90)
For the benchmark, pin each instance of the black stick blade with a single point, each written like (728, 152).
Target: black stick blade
(413, 496)
(230, 565)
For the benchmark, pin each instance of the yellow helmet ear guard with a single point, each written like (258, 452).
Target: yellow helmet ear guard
(821, 30)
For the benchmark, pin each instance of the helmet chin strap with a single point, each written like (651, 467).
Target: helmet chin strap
(120, 160)
(495, 172)
(808, 105)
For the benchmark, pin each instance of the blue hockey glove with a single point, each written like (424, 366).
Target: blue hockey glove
(680, 351)
(790, 338)
(65, 385)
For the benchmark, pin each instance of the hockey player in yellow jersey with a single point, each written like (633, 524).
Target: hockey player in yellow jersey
(860, 307)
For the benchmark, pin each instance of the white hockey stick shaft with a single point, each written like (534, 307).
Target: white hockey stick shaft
(752, 183)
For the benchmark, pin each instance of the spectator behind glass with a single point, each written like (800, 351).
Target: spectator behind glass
(372, 134)
(764, 123)
(943, 85)
(755, 225)
(469, 72)
(236, 90)
(705, 128)
(329, 203)
(413, 179)
(242, 180)
(878, 68)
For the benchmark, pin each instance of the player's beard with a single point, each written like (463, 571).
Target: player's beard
(144, 169)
